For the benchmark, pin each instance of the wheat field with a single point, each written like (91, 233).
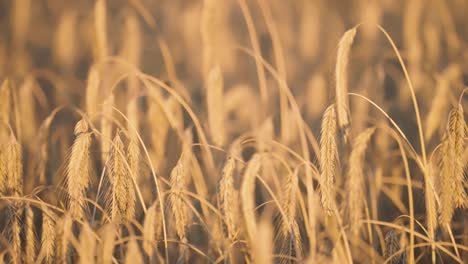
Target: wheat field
(233, 131)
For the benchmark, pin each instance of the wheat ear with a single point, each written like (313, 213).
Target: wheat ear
(106, 127)
(227, 199)
(341, 72)
(48, 238)
(64, 235)
(123, 196)
(14, 169)
(180, 210)
(78, 171)
(30, 236)
(452, 193)
(328, 156)
(5, 108)
(151, 229)
(355, 183)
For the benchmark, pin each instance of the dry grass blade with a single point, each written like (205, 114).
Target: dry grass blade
(341, 72)
(355, 181)
(328, 156)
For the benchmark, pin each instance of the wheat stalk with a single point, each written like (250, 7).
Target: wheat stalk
(27, 110)
(227, 199)
(328, 156)
(78, 171)
(92, 91)
(159, 127)
(355, 183)
(215, 103)
(262, 249)
(48, 238)
(87, 248)
(208, 31)
(431, 205)
(289, 205)
(133, 255)
(292, 244)
(5, 109)
(133, 120)
(30, 236)
(100, 25)
(452, 193)
(3, 172)
(440, 102)
(149, 231)
(65, 45)
(123, 195)
(14, 169)
(317, 93)
(106, 127)
(64, 235)
(180, 210)
(248, 196)
(15, 239)
(392, 245)
(107, 244)
(341, 72)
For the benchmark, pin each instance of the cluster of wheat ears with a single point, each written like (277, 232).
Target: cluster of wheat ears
(274, 132)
